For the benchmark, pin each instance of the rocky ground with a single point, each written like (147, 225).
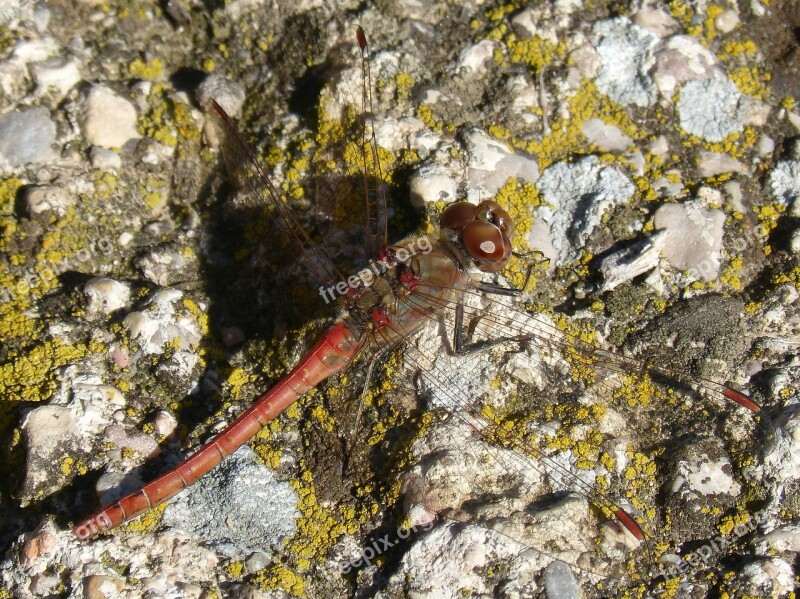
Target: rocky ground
(649, 153)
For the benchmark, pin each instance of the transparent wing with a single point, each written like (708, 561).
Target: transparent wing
(248, 174)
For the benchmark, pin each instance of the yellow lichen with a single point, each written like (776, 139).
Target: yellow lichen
(151, 71)
(147, 522)
(235, 569)
(237, 379)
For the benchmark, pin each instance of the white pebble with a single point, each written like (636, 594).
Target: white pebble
(108, 121)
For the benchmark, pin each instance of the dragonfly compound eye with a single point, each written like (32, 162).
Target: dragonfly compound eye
(457, 215)
(487, 244)
(491, 212)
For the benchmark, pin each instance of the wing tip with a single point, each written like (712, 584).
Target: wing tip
(741, 399)
(629, 523)
(219, 110)
(362, 38)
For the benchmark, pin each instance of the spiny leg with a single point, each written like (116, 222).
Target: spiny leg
(459, 347)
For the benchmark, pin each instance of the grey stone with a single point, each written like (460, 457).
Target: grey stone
(26, 136)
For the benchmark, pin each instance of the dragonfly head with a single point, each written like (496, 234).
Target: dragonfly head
(486, 230)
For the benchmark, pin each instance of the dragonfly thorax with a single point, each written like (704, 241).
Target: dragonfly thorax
(411, 280)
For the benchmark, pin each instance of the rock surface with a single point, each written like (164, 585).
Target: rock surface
(648, 154)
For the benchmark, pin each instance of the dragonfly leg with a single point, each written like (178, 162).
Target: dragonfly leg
(460, 348)
(495, 289)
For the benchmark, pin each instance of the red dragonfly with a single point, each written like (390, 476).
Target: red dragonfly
(412, 284)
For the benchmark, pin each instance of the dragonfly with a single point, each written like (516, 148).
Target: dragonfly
(409, 288)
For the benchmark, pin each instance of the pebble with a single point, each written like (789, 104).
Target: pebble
(396, 134)
(10, 11)
(712, 109)
(631, 261)
(772, 577)
(578, 194)
(228, 94)
(794, 119)
(164, 423)
(105, 159)
(41, 18)
(42, 201)
(38, 544)
(51, 435)
(733, 191)
(26, 137)
(683, 59)
(625, 51)
(766, 146)
(693, 240)
(162, 266)
(438, 562)
(162, 322)
(795, 241)
(652, 16)
(106, 295)
(703, 469)
(784, 538)
(112, 486)
(58, 74)
(604, 136)
(717, 163)
(125, 238)
(108, 120)
(473, 60)
(727, 21)
(491, 163)
(525, 23)
(93, 402)
(559, 582)
(432, 184)
(238, 508)
(99, 586)
(659, 146)
(257, 561)
(122, 438)
(44, 584)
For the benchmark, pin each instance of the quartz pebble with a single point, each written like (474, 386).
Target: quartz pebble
(108, 120)
(106, 295)
(559, 582)
(693, 239)
(432, 185)
(57, 74)
(491, 163)
(604, 136)
(105, 159)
